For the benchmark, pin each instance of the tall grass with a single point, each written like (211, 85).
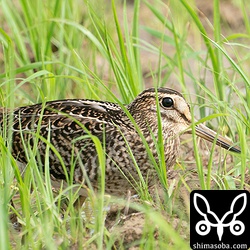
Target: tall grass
(92, 49)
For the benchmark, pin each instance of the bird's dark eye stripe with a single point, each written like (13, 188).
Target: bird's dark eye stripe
(167, 102)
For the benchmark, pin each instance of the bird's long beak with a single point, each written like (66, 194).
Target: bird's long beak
(209, 135)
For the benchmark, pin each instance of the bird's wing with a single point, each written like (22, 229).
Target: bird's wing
(64, 123)
(70, 116)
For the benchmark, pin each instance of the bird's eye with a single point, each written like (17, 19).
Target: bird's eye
(167, 102)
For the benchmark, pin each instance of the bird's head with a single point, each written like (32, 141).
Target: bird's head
(175, 115)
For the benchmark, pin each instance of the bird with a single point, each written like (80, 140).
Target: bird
(127, 133)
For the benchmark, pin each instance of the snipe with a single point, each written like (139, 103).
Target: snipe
(66, 125)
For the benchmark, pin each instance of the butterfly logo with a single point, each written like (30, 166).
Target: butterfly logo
(210, 219)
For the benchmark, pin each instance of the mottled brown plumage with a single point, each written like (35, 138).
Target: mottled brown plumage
(68, 125)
